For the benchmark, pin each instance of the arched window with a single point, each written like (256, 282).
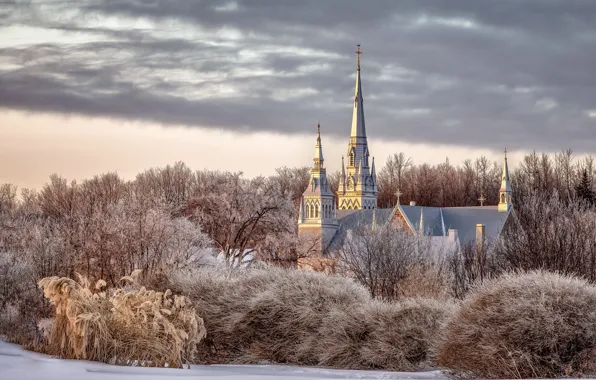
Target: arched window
(307, 211)
(502, 197)
(352, 159)
(316, 211)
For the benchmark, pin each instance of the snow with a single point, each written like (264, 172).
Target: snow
(16, 363)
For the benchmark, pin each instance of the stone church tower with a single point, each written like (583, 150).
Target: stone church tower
(358, 181)
(317, 215)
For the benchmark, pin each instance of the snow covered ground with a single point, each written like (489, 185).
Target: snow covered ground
(15, 363)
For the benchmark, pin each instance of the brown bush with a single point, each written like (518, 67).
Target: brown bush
(520, 326)
(382, 335)
(307, 318)
(126, 326)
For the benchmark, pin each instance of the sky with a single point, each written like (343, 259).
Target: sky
(91, 86)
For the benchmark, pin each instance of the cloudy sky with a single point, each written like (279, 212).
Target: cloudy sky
(89, 86)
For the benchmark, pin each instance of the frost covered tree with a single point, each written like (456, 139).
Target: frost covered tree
(583, 190)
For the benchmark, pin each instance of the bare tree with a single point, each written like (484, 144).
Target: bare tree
(381, 259)
(547, 233)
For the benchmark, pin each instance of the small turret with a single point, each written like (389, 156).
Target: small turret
(318, 159)
(505, 192)
(342, 178)
(317, 206)
(373, 174)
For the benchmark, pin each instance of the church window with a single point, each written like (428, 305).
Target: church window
(307, 211)
(352, 157)
(316, 211)
(502, 197)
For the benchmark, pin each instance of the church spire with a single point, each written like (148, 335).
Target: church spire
(358, 126)
(318, 150)
(360, 186)
(505, 191)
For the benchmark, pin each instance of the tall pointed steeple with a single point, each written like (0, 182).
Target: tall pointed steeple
(358, 125)
(359, 188)
(317, 206)
(505, 191)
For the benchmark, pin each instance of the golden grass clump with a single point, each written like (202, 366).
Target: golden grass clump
(535, 324)
(129, 325)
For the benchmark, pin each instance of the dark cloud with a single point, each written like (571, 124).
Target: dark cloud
(486, 74)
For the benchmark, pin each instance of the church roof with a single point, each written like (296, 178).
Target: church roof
(436, 221)
(350, 219)
(432, 225)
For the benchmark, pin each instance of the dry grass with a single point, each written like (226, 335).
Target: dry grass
(128, 326)
(537, 324)
(307, 318)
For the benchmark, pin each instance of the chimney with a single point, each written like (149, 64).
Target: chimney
(412, 203)
(452, 235)
(480, 234)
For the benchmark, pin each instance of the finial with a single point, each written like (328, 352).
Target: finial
(358, 52)
(319, 128)
(398, 194)
(505, 152)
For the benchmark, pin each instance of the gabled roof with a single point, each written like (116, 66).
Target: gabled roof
(350, 219)
(431, 219)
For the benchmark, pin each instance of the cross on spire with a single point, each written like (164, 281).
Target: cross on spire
(358, 52)
(481, 199)
(398, 194)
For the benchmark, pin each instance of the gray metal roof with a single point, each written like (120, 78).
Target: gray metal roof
(350, 219)
(431, 219)
(436, 220)
(464, 220)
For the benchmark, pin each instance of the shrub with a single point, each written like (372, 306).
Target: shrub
(381, 335)
(308, 318)
(521, 325)
(128, 326)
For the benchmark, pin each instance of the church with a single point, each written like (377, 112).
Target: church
(330, 218)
